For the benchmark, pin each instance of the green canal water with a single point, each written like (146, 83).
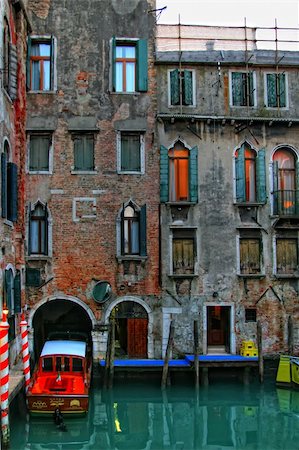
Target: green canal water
(138, 415)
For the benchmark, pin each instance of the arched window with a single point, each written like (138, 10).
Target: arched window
(38, 230)
(250, 175)
(284, 181)
(178, 173)
(133, 230)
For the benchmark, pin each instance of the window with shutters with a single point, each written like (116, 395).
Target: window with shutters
(250, 255)
(250, 175)
(84, 152)
(181, 87)
(38, 230)
(129, 65)
(9, 62)
(285, 182)
(132, 230)
(40, 151)
(130, 152)
(40, 64)
(242, 89)
(183, 252)
(178, 173)
(276, 90)
(286, 255)
(9, 186)
(6, 56)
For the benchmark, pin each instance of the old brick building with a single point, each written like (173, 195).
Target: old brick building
(227, 125)
(92, 193)
(14, 29)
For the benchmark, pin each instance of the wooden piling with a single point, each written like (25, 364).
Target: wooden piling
(112, 354)
(167, 356)
(260, 351)
(109, 358)
(196, 353)
(290, 336)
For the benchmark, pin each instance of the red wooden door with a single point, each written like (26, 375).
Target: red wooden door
(137, 338)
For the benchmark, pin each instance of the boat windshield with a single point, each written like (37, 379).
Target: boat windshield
(47, 364)
(77, 365)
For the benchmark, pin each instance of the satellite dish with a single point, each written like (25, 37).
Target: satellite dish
(101, 291)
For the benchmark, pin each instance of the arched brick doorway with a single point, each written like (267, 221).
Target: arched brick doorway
(131, 329)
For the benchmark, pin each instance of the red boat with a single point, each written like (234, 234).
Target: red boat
(61, 379)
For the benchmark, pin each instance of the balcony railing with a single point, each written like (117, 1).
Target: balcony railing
(286, 203)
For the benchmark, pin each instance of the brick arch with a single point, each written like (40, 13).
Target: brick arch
(130, 298)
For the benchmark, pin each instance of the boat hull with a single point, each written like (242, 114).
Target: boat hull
(45, 404)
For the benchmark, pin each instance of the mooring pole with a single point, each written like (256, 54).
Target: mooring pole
(107, 358)
(260, 351)
(167, 356)
(4, 371)
(25, 352)
(196, 353)
(111, 355)
(290, 336)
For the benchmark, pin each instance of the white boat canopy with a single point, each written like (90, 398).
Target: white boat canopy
(60, 347)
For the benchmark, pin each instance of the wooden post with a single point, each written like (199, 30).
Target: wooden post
(260, 351)
(290, 336)
(107, 359)
(112, 353)
(196, 352)
(167, 355)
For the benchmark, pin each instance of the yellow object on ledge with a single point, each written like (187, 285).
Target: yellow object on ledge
(248, 348)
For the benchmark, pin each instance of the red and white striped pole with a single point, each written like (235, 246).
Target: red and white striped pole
(4, 377)
(25, 352)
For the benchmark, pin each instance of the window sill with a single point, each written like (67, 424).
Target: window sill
(84, 172)
(51, 92)
(286, 276)
(182, 275)
(125, 93)
(131, 258)
(9, 223)
(6, 94)
(182, 203)
(38, 258)
(251, 275)
(249, 204)
(130, 173)
(181, 106)
(39, 172)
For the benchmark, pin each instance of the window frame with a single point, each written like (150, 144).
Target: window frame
(47, 224)
(142, 213)
(183, 234)
(40, 39)
(285, 237)
(252, 234)
(119, 135)
(6, 42)
(41, 134)
(180, 88)
(266, 98)
(84, 136)
(9, 186)
(254, 93)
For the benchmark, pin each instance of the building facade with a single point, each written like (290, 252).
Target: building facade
(92, 195)
(13, 42)
(227, 125)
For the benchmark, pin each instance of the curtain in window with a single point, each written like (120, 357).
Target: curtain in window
(178, 175)
(183, 256)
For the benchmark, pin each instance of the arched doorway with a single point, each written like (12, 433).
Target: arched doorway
(60, 316)
(131, 329)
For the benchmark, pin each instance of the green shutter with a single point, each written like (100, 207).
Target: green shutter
(8, 290)
(174, 87)
(250, 89)
(13, 64)
(188, 89)
(240, 175)
(17, 292)
(3, 185)
(12, 192)
(237, 88)
(275, 188)
(142, 65)
(164, 168)
(113, 62)
(271, 90)
(193, 175)
(143, 231)
(122, 230)
(52, 64)
(297, 188)
(78, 154)
(261, 187)
(28, 80)
(88, 153)
(282, 90)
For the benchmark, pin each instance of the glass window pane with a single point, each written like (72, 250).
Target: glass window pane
(35, 75)
(126, 237)
(46, 86)
(119, 77)
(135, 237)
(130, 77)
(45, 49)
(34, 247)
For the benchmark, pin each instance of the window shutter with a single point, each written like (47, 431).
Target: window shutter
(142, 65)
(78, 154)
(275, 187)
(193, 175)
(88, 153)
(17, 292)
(163, 174)
(12, 192)
(143, 231)
(9, 290)
(28, 80)
(113, 63)
(250, 89)
(52, 69)
(13, 63)
(46, 246)
(188, 91)
(282, 90)
(297, 187)
(174, 87)
(271, 89)
(237, 88)
(3, 185)
(261, 176)
(122, 230)
(240, 176)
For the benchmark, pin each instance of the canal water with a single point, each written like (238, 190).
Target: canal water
(138, 415)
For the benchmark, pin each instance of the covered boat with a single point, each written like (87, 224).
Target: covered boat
(61, 379)
(288, 371)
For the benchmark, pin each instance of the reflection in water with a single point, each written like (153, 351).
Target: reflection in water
(135, 416)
